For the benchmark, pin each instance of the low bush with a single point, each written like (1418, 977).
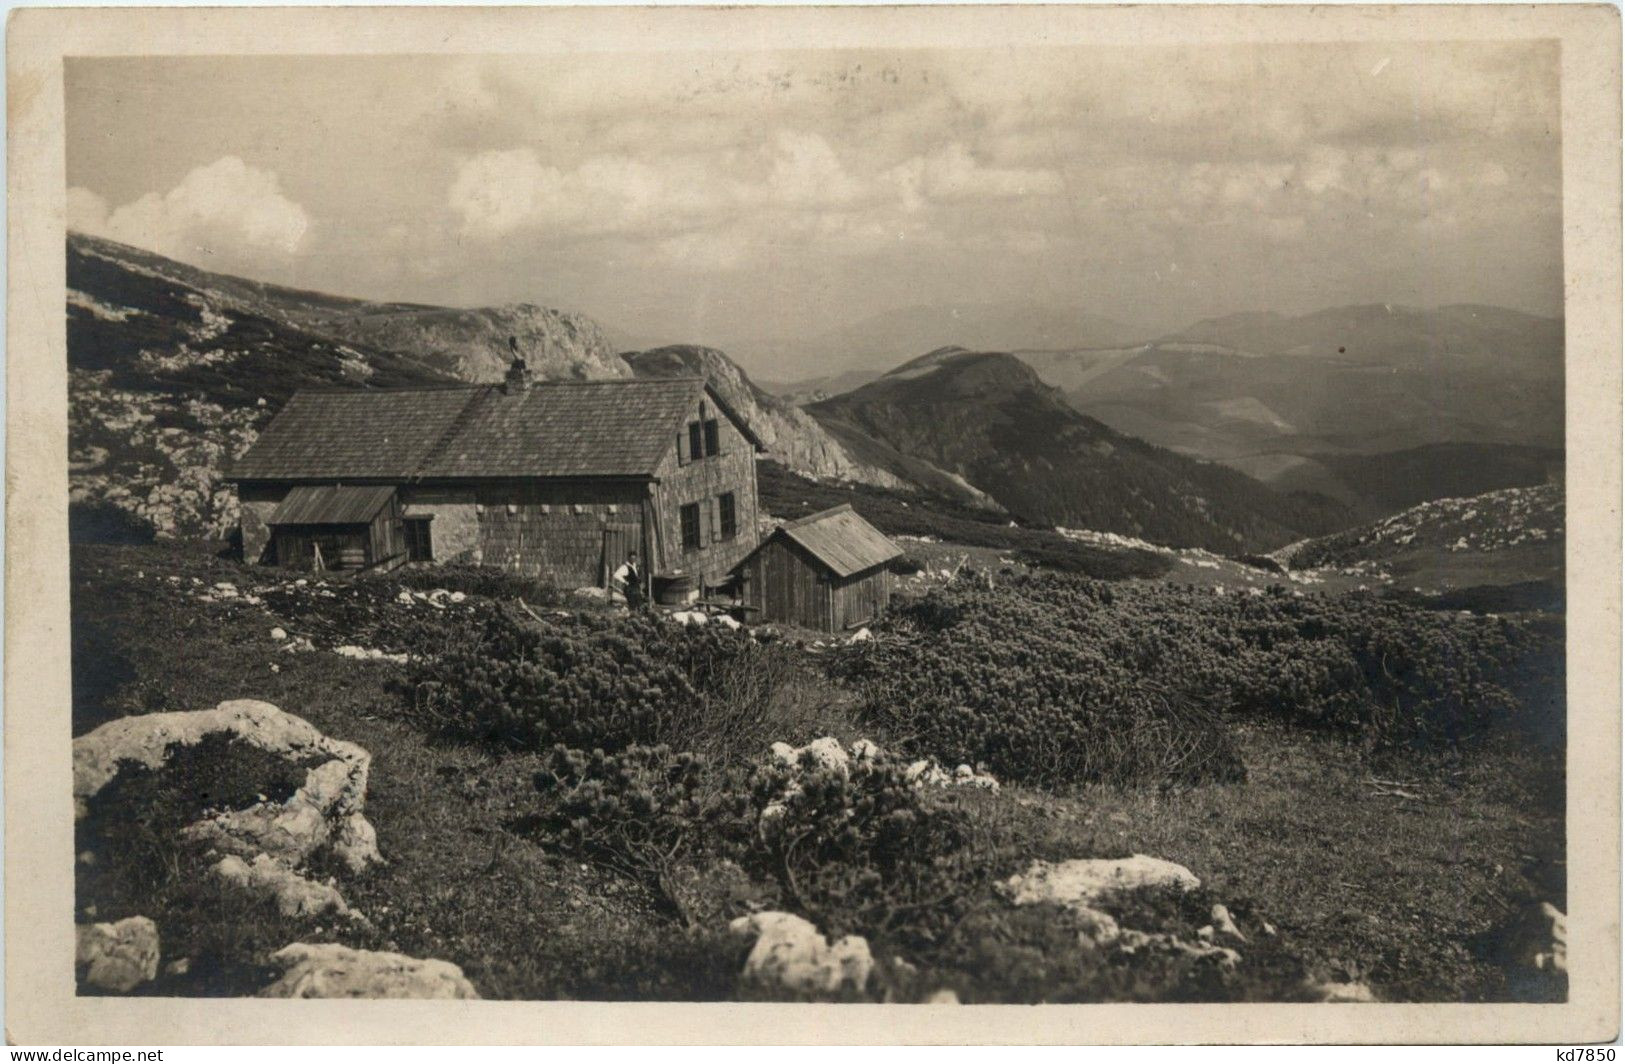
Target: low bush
(103, 522)
(862, 852)
(1056, 679)
(865, 852)
(642, 812)
(591, 681)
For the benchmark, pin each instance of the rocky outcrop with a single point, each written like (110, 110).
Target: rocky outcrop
(792, 437)
(325, 812)
(116, 957)
(330, 970)
(293, 893)
(791, 955)
(472, 344)
(1081, 883)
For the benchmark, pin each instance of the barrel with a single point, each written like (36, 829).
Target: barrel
(677, 589)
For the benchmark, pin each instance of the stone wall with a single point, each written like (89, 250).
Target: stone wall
(258, 502)
(701, 480)
(454, 525)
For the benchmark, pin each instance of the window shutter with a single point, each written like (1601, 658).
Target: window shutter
(713, 438)
(711, 519)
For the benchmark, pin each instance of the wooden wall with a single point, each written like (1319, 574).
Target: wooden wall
(787, 586)
(700, 480)
(861, 598)
(558, 530)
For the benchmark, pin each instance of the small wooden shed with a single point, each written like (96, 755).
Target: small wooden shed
(337, 526)
(830, 572)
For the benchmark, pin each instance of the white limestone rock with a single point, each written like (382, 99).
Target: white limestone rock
(116, 956)
(790, 954)
(294, 894)
(330, 970)
(325, 811)
(1084, 881)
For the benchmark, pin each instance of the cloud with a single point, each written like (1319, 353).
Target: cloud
(797, 183)
(225, 207)
(952, 173)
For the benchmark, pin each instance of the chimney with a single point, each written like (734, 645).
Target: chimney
(518, 377)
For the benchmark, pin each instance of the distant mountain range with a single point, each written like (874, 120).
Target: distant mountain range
(174, 369)
(874, 343)
(989, 418)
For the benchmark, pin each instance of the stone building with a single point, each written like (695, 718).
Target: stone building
(559, 479)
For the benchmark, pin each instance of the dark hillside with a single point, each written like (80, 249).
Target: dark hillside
(988, 418)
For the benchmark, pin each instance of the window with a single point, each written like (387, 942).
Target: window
(696, 441)
(691, 526)
(727, 519)
(419, 547)
(713, 438)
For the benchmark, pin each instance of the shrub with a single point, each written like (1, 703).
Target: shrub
(992, 678)
(1057, 679)
(607, 682)
(641, 812)
(104, 522)
(865, 852)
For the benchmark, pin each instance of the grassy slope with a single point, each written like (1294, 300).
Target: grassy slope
(1397, 893)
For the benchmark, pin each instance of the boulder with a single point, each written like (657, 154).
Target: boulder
(295, 895)
(790, 954)
(325, 811)
(1224, 923)
(356, 653)
(1342, 993)
(825, 754)
(118, 956)
(330, 970)
(1082, 882)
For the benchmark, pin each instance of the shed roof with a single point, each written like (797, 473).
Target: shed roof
(842, 540)
(331, 504)
(619, 427)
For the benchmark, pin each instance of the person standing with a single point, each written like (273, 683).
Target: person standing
(629, 582)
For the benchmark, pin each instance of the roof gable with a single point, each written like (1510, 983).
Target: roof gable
(842, 540)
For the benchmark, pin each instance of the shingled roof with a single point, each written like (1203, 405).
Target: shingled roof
(619, 427)
(842, 540)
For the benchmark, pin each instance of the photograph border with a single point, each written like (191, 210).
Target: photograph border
(42, 1006)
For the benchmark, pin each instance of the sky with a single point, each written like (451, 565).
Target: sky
(742, 198)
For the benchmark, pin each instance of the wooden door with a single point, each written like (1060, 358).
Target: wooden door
(618, 542)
